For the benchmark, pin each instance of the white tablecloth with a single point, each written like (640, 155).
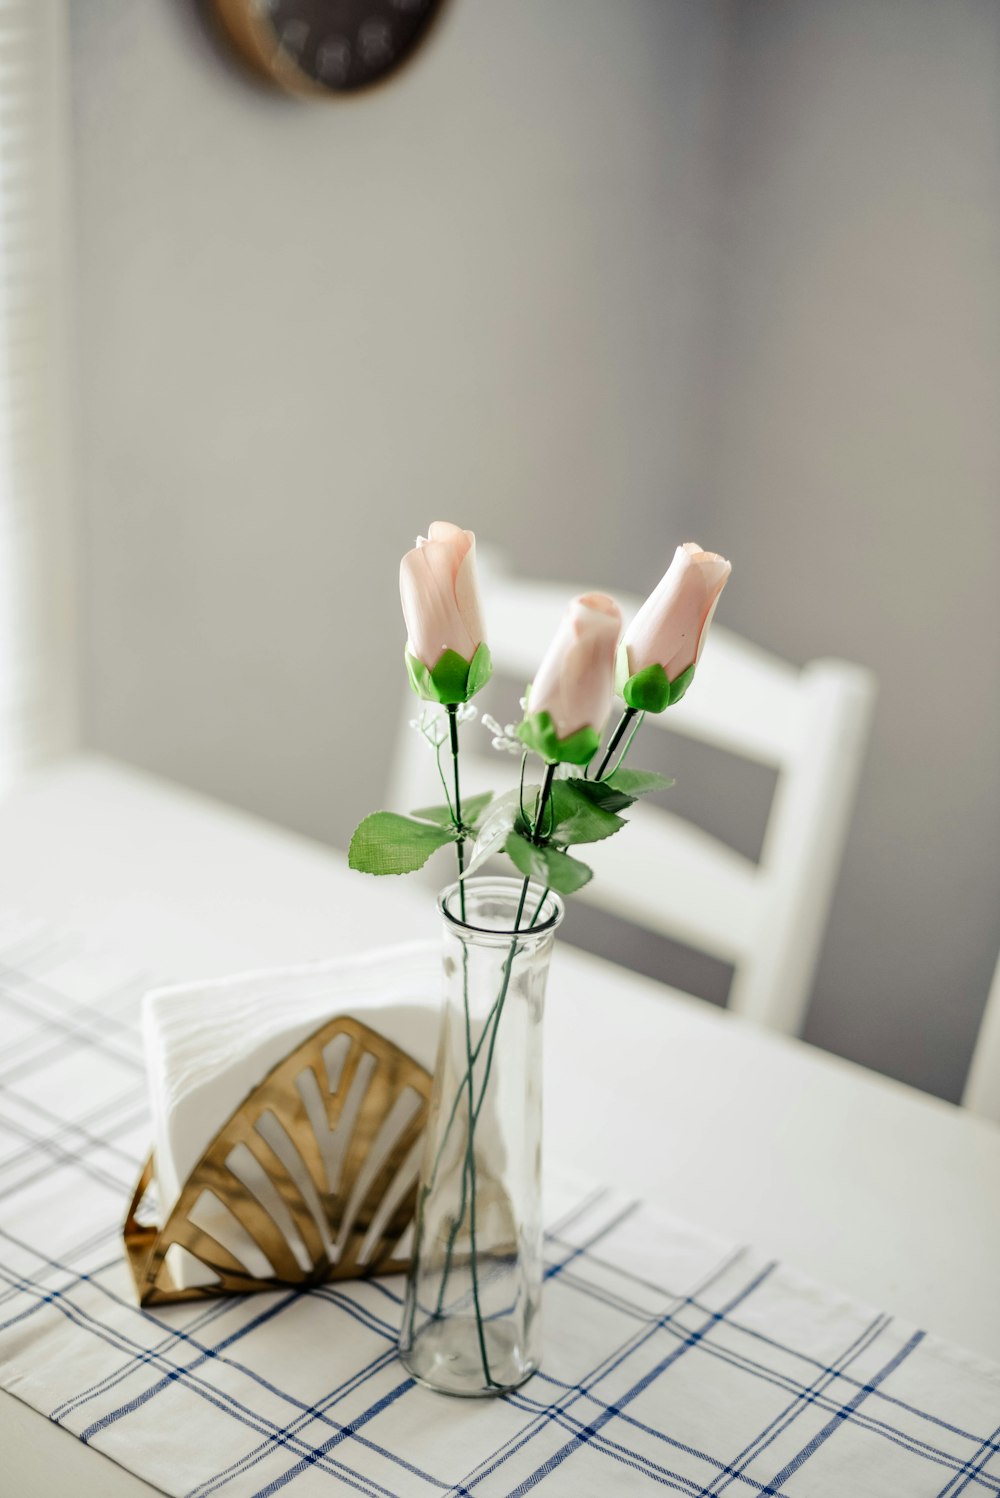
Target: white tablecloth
(674, 1360)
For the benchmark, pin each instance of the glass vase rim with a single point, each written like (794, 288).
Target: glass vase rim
(502, 883)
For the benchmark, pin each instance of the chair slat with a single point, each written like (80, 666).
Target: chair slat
(982, 1090)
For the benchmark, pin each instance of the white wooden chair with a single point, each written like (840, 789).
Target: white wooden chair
(662, 873)
(982, 1086)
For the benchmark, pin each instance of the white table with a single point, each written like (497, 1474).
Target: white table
(859, 1181)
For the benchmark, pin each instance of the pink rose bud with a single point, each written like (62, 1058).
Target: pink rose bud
(440, 594)
(439, 591)
(667, 635)
(571, 695)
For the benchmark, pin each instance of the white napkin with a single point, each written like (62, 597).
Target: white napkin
(209, 1044)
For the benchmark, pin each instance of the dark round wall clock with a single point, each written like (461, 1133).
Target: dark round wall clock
(317, 47)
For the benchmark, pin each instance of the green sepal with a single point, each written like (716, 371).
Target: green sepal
(577, 818)
(441, 815)
(387, 843)
(680, 684)
(557, 870)
(480, 670)
(453, 679)
(649, 690)
(538, 732)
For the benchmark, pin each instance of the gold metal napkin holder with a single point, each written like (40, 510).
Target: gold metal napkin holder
(313, 1178)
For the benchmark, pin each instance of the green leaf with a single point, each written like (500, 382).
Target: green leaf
(637, 782)
(441, 815)
(577, 818)
(602, 794)
(386, 843)
(619, 790)
(558, 870)
(494, 830)
(538, 732)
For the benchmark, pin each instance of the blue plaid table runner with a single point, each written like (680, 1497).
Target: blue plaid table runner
(675, 1362)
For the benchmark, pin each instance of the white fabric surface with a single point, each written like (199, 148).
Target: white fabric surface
(675, 1362)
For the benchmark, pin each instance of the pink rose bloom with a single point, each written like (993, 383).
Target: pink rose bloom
(575, 682)
(439, 591)
(670, 628)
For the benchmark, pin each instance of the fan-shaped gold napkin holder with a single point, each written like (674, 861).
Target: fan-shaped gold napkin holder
(313, 1178)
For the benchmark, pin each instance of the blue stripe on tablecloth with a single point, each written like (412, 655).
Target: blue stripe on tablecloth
(61, 1156)
(802, 1401)
(86, 1246)
(973, 1468)
(221, 1399)
(141, 1356)
(136, 1098)
(626, 1212)
(905, 1440)
(643, 1383)
(579, 1426)
(270, 1444)
(578, 1423)
(781, 1380)
(367, 1414)
(841, 1415)
(285, 1478)
(586, 1204)
(76, 1022)
(607, 1365)
(65, 1024)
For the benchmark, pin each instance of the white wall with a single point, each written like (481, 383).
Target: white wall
(590, 277)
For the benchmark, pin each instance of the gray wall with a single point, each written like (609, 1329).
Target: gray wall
(857, 434)
(590, 278)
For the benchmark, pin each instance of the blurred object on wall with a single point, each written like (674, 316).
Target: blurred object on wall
(322, 48)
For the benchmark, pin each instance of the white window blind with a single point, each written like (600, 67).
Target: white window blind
(37, 645)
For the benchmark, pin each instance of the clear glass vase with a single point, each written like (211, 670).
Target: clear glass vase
(472, 1315)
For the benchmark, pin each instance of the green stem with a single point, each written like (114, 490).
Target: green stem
(469, 1171)
(497, 1009)
(497, 1003)
(470, 1174)
(543, 801)
(616, 738)
(491, 1028)
(628, 742)
(460, 844)
(444, 783)
(538, 908)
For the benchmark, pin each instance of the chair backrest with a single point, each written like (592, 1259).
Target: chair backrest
(766, 918)
(982, 1087)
